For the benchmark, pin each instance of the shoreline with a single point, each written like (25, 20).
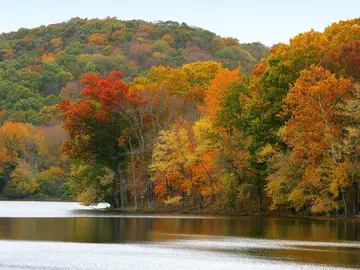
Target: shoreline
(144, 211)
(204, 212)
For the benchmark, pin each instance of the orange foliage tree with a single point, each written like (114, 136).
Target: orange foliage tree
(94, 124)
(313, 135)
(98, 39)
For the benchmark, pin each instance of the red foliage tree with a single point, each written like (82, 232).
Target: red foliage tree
(95, 124)
(350, 55)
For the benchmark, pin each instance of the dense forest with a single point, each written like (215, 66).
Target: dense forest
(163, 115)
(39, 67)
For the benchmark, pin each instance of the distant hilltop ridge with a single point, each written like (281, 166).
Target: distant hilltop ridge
(132, 46)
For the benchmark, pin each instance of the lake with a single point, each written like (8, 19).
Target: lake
(66, 235)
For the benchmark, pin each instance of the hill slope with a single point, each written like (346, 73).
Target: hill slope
(35, 64)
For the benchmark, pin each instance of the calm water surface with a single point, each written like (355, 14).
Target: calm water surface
(53, 235)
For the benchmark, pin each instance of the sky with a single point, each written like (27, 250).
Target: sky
(267, 21)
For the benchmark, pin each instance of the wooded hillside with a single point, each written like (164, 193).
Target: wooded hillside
(146, 124)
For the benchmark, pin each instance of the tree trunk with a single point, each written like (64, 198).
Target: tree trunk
(261, 198)
(116, 203)
(211, 183)
(182, 171)
(356, 198)
(346, 211)
(151, 195)
(120, 188)
(200, 202)
(167, 191)
(133, 173)
(192, 186)
(122, 191)
(259, 185)
(182, 200)
(143, 172)
(113, 203)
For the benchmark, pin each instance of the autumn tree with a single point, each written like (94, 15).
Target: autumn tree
(173, 160)
(26, 154)
(160, 90)
(94, 124)
(313, 133)
(98, 39)
(224, 105)
(349, 146)
(70, 91)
